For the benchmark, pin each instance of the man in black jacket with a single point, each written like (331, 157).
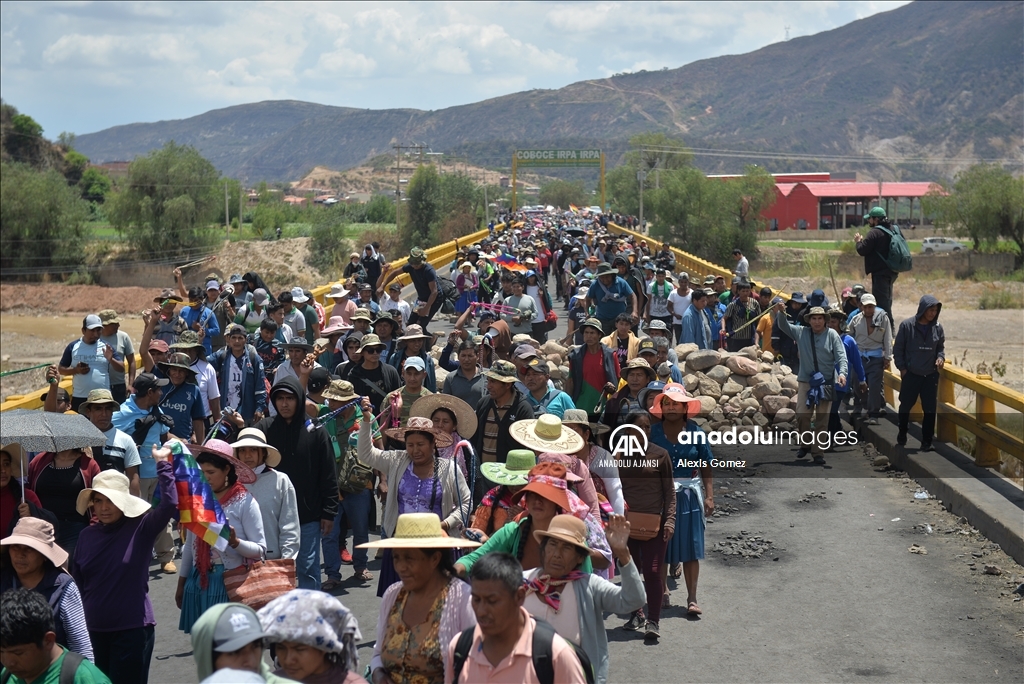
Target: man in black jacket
(874, 247)
(307, 458)
(373, 377)
(502, 406)
(919, 354)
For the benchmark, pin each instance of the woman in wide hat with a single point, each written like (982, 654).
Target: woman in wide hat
(201, 582)
(496, 507)
(427, 608)
(456, 418)
(273, 492)
(418, 479)
(676, 409)
(560, 580)
(31, 559)
(603, 472)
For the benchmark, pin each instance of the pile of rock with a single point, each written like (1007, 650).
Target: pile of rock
(736, 389)
(744, 388)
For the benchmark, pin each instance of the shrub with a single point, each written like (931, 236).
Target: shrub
(1000, 299)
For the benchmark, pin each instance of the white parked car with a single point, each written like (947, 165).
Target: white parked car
(939, 245)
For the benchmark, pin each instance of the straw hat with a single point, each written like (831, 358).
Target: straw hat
(441, 439)
(219, 447)
(38, 535)
(114, 486)
(642, 364)
(546, 434)
(675, 392)
(465, 416)
(419, 531)
(17, 456)
(547, 480)
(513, 471)
(252, 437)
(568, 528)
(340, 390)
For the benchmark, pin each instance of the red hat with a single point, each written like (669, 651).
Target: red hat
(549, 481)
(675, 392)
(159, 345)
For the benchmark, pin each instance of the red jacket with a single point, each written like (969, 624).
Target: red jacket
(89, 467)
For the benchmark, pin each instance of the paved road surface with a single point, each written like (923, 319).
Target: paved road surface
(834, 598)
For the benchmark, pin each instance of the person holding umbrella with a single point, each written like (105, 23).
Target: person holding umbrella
(16, 502)
(111, 568)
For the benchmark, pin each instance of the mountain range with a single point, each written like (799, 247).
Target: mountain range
(936, 80)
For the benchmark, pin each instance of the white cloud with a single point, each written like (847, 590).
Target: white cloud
(85, 66)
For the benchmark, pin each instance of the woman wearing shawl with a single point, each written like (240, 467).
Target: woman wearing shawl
(496, 508)
(312, 638)
(455, 418)
(693, 486)
(418, 479)
(201, 582)
(467, 284)
(603, 471)
(574, 602)
(421, 614)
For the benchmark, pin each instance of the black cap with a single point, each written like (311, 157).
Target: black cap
(147, 381)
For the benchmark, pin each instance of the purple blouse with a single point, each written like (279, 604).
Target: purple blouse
(415, 495)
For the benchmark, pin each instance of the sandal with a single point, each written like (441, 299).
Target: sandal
(677, 570)
(363, 575)
(693, 609)
(330, 585)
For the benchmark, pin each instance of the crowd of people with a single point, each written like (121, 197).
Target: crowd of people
(502, 516)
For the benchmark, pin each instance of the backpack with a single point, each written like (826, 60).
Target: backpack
(543, 636)
(353, 476)
(448, 290)
(898, 259)
(68, 668)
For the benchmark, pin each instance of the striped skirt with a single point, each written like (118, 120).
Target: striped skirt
(196, 599)
(687, 544)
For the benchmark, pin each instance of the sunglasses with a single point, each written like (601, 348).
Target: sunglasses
(373, 352)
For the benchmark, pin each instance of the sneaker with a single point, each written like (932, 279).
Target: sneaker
(901, 438)
(927, 446)
(169, 567)
(346, 557)
(819, 459)
(871, 421)
(651, 630)
(636, 621)
(802, 452)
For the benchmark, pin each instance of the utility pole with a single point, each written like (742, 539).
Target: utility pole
(398, 177)
(641, 176)
(227, 213)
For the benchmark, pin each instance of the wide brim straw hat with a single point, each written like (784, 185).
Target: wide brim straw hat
(465, 416)
(252, 437)
(219, 447)
(17, 456)
(513, 472)
(675, 392)
(570, 529)
(420, 531)
(114, 486)
(441, 438)
(340, 291)
(546, 434)
(37, 534)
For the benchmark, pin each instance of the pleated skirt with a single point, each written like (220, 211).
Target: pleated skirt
(687, 544)
(196, 599)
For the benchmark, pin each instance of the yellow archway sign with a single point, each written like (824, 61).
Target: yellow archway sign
(556, 159)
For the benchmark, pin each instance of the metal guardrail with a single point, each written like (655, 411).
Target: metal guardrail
(990, 439)
(436, 256)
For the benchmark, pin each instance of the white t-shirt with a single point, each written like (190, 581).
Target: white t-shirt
(206, 378)
(402, 306)
(679, 305)
(659, 297)
(534, 292)
(120, 446)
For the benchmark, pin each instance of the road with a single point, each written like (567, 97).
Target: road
(836, 596)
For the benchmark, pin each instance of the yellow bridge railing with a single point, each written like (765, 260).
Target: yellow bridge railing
(990, 439)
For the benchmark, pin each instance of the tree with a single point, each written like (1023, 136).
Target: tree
(421, 211)
(168, 200)
(987, 201)
(562, 193)
(380, 209)
(42, 220)
(95, 185)
(23, 140)
(652, 153)
(75, 164)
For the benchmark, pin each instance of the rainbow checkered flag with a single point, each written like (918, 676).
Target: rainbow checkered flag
(198, 509)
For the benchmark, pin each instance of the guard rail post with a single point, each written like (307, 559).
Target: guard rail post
(945, 428)
(986, 454)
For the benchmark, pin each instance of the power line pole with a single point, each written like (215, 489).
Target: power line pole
(398, 177)
(227, 213)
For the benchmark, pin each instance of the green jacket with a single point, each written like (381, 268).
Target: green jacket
(202, 644)
(505, 540)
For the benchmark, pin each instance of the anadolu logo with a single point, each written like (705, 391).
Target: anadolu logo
(628, 442)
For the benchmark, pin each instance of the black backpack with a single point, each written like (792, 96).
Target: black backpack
(543, 664)
(448, 290)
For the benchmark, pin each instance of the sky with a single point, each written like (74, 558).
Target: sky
(83, 66)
